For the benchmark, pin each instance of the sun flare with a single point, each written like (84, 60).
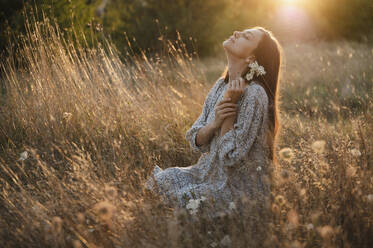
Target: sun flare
(291, 2)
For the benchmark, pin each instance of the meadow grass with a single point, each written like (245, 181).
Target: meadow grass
(81, 129)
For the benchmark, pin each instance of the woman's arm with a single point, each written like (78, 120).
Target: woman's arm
(233, 146)
(234, 91)
(201, 122)
(227, 124)
(205, 134)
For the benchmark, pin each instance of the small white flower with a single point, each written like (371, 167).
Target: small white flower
(254, 65)
(23, 156)
(193, 204)
(250, 75)
(213, 244)
(355, 152)
(259, 168)
(309, 226)
(226, 241)
(232, 206)
(255, 68)
(286, 153)
(67, 116)
(261, 70)
(318, 146)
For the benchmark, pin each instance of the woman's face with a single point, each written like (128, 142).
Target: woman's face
(242, 43)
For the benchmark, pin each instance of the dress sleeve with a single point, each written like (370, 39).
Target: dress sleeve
(191, 134)
(233, 146)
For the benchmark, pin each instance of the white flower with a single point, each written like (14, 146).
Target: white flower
(261, 70)
(255, 68)
(250, 75)
(213, 244)
(232, 206)
(23, 156)
(318, 146)
(309, 226)
(193, 204)
(355, 152)
(254, 65)
(67, 116)
(259, 168)
(226, 241)
(286, 153)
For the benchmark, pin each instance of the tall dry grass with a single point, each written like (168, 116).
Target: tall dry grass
(81, 130)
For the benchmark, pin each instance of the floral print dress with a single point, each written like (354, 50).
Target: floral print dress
(231, 165)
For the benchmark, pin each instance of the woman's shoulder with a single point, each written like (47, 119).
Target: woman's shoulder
(218, 83)
(255, 90)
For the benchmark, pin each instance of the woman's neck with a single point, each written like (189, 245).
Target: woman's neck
(235, 67)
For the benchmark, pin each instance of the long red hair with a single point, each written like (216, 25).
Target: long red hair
(268, 55)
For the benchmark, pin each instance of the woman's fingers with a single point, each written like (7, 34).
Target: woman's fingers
(242, 83)
(225, 100)
(222, 111)
(228, 104)
(228, 114)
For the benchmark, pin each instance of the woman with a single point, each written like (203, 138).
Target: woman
(235, 134)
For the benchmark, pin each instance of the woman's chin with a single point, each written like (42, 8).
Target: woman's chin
(226, 44)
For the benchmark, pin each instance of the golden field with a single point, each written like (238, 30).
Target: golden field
(81, 129)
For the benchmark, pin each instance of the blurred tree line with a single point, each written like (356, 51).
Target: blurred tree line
(201, 24)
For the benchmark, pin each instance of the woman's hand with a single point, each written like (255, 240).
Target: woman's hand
(224, 109)
(235, 89)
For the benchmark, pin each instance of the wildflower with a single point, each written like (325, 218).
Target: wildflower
(255, 68)
(286, 153)
(226, 241)
(213, 244)
(355, 152)
(318, 146)
(309, 226)
(23, 156)
(370, 197)
(67, 116)
(280, 199)
(193, 204)
(232, 206)
(259, 168)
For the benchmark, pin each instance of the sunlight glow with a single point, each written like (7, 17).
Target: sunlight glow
(293, 21)
(291, 2)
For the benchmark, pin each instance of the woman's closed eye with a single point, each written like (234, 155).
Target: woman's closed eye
(247, 36)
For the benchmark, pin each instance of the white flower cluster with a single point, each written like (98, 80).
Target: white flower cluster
(193, 204)
(255, 68)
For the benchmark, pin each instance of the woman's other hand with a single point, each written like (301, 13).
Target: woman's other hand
(224, 109)
(235, 89)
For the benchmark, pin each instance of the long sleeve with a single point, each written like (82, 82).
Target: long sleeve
(233, 146)
(191, 134)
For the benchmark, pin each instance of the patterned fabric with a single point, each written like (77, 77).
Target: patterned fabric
(231, 165)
